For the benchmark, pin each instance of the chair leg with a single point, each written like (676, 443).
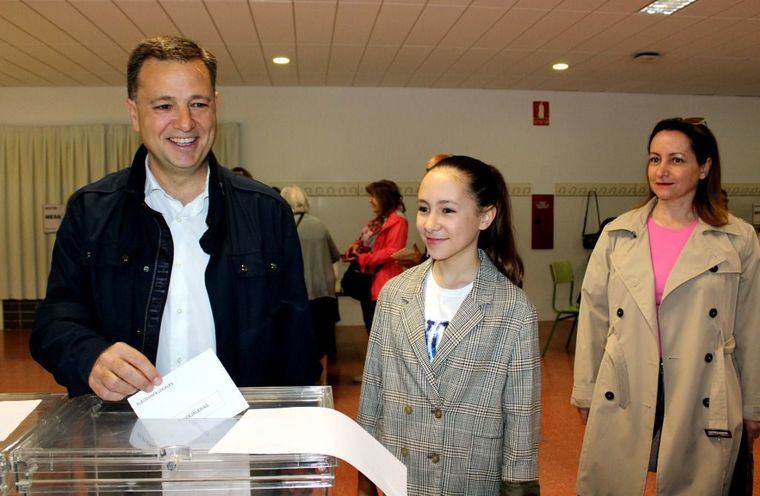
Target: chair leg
(572, 333)
(551, 333)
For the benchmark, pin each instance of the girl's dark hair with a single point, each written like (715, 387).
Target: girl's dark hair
(708, 201)
(388, 195)
(488, 188)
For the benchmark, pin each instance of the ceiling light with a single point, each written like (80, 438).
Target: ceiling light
(281, 60)
(665, 7)
(560, 66)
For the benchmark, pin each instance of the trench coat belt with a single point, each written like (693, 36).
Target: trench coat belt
(717, 417)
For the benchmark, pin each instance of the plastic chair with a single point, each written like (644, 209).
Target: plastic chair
(562, 274)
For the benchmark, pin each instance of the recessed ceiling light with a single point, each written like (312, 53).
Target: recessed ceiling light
(281, 60)
(560, 66)
(666, 7)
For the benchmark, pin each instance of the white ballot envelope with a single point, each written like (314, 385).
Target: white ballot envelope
(201, 388)
(200, 433)
(315, 430)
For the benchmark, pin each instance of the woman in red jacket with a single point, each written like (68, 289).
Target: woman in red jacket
(380, 238)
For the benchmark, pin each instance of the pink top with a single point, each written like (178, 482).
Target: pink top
(665, 245)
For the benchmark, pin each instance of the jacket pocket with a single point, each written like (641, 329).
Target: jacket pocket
(485, 458)
(110, 271)
(255, 264)
(257, 283)
(106, 255)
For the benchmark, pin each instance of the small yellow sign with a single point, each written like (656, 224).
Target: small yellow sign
(51, 217)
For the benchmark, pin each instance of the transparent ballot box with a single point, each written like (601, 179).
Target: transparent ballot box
(48, 404)
(96, 447)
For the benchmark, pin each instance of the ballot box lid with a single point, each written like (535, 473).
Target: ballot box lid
(89, 446)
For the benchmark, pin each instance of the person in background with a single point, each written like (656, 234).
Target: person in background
(666, 368)
(240, 171)
(409, 257)
(156, 263)
(452, 380)
(383, 235)
(319, 255)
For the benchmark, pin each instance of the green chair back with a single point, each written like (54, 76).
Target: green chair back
(562, 273)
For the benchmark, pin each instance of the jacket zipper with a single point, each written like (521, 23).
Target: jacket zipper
(152, 285)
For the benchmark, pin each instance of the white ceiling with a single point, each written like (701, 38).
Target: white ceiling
(710, 48)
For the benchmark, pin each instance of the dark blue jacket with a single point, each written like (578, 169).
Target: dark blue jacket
(111, 265)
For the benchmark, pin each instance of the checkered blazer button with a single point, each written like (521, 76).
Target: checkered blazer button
(408, 409)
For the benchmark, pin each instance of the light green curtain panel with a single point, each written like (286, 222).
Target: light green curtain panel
(45, 165)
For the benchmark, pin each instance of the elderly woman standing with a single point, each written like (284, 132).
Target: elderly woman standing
(319, 254)
(666, 368)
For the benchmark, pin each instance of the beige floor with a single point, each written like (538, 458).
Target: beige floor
(561, 429)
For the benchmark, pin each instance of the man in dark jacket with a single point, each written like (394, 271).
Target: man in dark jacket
(156, 263)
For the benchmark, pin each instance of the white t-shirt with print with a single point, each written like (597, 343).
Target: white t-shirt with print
(441, 304)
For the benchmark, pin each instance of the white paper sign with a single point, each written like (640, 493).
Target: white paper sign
(51, 217)
(315, 430)
(12, 413)
(201, 388)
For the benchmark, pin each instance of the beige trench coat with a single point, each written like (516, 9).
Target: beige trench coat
(709, 321)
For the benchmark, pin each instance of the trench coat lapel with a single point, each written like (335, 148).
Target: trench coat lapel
(413, 320)
(697, 256)
(638, 278)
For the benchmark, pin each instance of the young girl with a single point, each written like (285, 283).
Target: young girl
(452, 379)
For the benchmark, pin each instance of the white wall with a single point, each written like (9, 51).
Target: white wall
(362, 134)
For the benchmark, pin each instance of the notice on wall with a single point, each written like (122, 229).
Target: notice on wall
(51, 217)
(542, 220)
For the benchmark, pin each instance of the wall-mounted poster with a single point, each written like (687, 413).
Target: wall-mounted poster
(542, 222)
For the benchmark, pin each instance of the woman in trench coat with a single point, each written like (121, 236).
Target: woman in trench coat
(666, 381)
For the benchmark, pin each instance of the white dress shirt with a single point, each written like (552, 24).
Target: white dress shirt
(187, 324)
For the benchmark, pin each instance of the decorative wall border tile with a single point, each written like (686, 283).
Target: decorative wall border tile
(407, 189)
(602, 189)
(640, 189)
(742, 189)
(326, 189)
(519, 189)
(357, 189)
